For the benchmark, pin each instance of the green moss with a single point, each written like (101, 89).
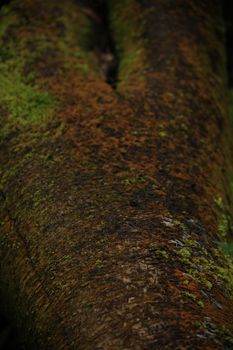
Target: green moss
(179, 223)
(200, 303)
(197, 324)
(222, 333)
(184, 127)
(163, 133)
(98, 264)
(190, 295)
(219, 202)
(225, 273)
(194, 298)
(208, 267)
(190, 243)
(24, 103)
(207, 284)
(227, 336)
(186, 282)
(39, 197)
(184, 253)
(222, 218)
(127, 30)
(84, 67)
(158, 250)
(134, 180)
(227, 248)
(217, 267)
(223, 226)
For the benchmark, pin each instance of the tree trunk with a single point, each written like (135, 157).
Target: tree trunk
(114, 200)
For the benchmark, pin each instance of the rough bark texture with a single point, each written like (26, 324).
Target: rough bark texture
(112, 201)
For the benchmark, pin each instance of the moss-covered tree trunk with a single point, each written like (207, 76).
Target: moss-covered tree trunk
(113, 201)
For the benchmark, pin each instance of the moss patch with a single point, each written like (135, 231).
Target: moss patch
(222, 218)
(125, 17)
(194, 298)
(24, 103)
(227, 248)
(222, 333)
(184, 253)
(158, 250)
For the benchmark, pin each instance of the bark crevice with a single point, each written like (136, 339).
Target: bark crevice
(102, 44)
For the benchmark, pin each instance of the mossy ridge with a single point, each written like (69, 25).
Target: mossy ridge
(216, 267)
(78, 41)
(206, 267)
(24, 100)
(227, 248)
(203, 274)
(24, 103)
(194, 298)
(224, 229)
(127, 30)
(222, 333)
(158, 250)
(223, 220)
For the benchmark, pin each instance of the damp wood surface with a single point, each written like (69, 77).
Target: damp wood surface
(115, 197)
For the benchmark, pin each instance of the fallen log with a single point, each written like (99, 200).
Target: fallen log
(114, 199)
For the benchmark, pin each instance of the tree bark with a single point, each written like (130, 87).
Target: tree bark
(114, 200)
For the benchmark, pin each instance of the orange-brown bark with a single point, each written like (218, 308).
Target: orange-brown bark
(113, 200)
